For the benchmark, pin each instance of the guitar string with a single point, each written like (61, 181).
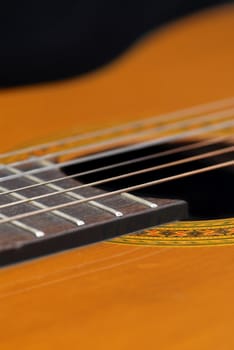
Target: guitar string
(209, 128)
(119, 191)
(224, 114)
(142, 135)
(229, 113)
(169, 116)
(218, 152)
(193, 146)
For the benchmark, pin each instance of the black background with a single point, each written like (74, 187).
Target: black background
(48, 39)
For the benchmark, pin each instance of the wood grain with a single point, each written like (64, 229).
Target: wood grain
(112, 295)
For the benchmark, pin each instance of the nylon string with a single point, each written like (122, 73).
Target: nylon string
(221, 151)
(176, 150)
(125, 189)
(166, 139)
(219, 104)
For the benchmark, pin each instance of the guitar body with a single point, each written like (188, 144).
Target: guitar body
(154, 290)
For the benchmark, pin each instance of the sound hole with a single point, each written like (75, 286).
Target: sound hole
(209, 195)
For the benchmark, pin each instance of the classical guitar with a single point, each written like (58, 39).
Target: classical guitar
(116, 199)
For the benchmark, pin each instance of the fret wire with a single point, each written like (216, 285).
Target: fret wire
(160, 141)
(176, 150)
(204, 118)
(78, 196)
(122, 190)
(68, 217)
(140, 200)
(58, 213)
(37, 233)
(126, 175)
(172, 115)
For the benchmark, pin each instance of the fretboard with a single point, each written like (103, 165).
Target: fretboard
(71, 226)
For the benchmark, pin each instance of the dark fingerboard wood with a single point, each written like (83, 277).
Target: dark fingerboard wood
(76, 225)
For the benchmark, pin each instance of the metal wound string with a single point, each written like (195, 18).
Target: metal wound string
(221, 151)
(229, 113)
(172, 151)
(125, 189)
(141, 134)
(169, 116)
(160, 141)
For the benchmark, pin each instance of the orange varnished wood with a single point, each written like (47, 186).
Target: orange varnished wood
(111, 296)
(182, 65)
(114, 296)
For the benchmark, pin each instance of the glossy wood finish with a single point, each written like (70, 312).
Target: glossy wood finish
(120, 297)
(182, 65)
(112, 295)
